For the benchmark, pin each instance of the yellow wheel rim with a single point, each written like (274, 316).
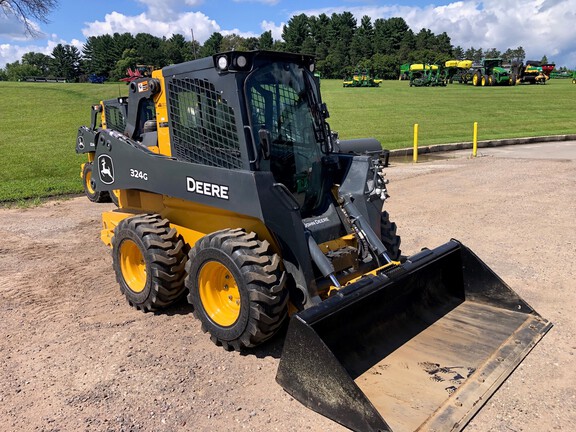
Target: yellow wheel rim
(219, 293)
(133, 266)
(88, 180)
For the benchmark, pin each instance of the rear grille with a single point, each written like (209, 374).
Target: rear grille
(203, 125)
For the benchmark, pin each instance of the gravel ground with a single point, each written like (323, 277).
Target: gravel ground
(75, 356)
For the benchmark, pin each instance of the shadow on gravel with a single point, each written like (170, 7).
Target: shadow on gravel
(270, 348)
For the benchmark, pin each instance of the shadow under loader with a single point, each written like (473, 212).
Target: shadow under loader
(422, 347)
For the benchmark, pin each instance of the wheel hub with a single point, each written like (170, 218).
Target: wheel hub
(219, 293)
(133, 266)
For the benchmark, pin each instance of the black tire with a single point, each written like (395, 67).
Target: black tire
(254, 306)
(90, 187)
(114, 197)
(149, 259)
(389, 237)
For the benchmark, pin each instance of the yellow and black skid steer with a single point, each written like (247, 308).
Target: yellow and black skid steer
(234, 193)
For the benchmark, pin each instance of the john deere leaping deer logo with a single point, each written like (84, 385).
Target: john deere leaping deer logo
(106, 169)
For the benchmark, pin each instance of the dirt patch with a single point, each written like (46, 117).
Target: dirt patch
(75, 356)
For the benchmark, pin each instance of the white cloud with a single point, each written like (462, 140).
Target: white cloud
(9, 53)
(271, 26)
(116, 22)
(168, 9)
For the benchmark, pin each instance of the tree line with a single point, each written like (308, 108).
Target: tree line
(340, 44)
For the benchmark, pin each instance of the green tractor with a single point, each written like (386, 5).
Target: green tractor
(491, 72)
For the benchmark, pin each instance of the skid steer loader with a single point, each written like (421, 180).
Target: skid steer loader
(234, 192)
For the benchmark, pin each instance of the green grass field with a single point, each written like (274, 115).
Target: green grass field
(39, 121)
(447, 114)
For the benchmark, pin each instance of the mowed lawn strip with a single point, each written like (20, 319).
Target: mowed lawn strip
(39, 121)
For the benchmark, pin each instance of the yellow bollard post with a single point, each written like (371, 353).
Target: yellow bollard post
(415, 151)
(475, 140)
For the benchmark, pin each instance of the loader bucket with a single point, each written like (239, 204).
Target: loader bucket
(422, 347)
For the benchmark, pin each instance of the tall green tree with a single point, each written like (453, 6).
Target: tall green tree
(425, 40)
(129, 60)
(390, 35)
(66, 62)
(458, 53)
(16, 71)
(175, 49)
(341, 32)
(233, 42)
(212, 45)
(362, 46)
(492, 53)
(474, 54)
(99, 55)
(150, 50)
(39, 60)
(319, 32)
(266, 41)
(295, 32)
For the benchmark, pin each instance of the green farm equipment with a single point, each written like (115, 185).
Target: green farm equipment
(426, 75)
(458, 71)
(491, 72)
(362, 79)
(533, 72)
(404, 72)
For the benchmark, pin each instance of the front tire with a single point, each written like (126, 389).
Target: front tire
(237, 287)
(148, 258)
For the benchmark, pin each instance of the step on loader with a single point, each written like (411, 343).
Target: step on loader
(234, 193)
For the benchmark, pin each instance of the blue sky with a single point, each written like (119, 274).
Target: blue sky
(541, 27)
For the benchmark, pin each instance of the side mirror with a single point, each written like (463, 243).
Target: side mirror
(264, 138)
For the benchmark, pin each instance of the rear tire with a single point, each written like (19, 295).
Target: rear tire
(389, 237)
(90, 186)
(237, 287)
(148, 258)
(477, 78)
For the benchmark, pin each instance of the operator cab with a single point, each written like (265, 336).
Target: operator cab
(286, 122)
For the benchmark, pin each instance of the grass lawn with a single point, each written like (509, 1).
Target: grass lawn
(447, 114)
(38, 126)
(39, 121)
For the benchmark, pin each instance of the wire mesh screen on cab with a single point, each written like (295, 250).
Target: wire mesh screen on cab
(203, 125)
